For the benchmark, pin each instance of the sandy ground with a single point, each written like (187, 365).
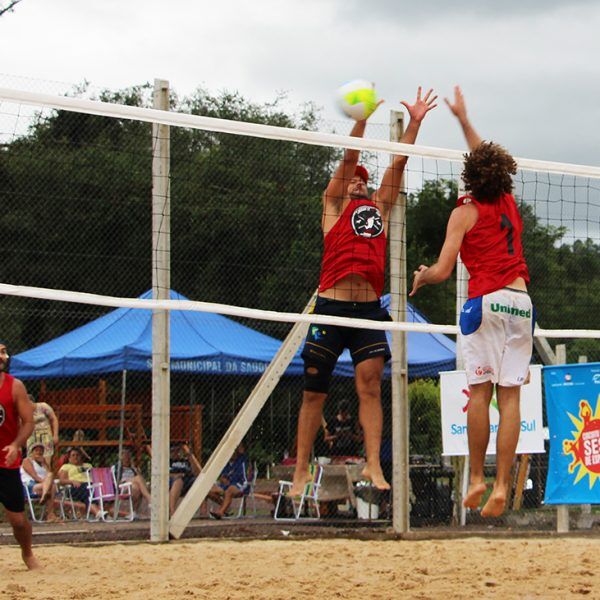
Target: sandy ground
(465, 568)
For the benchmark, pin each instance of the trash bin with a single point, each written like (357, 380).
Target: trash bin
(367, 500)
(365, 510)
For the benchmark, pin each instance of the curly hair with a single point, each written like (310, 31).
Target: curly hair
(487, 172)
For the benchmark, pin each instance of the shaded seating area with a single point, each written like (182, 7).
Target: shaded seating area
(201, 345)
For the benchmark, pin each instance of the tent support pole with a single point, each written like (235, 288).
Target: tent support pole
(121, 428)
(239, 427)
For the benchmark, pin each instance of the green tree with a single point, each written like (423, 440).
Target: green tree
(425, 418)
(245, 212)
(427, 213)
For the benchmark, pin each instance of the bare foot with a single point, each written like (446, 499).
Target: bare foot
(495, 504)
(301, 478)
(31, 561)
(52, 518)
(375, 476)
(474, 495)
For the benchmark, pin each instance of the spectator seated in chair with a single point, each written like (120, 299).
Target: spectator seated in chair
(37, 476)
(73, 473)
(78, 436)
(233, 482)
(128, 472)
(184, 467)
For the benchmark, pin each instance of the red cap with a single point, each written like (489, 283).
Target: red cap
(362, 173)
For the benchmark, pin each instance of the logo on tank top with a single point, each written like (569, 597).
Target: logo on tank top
(366, 221)
(2, 415)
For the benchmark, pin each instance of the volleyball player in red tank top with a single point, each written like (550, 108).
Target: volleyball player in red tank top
(496, 322)
(352, 273)
(16, 425)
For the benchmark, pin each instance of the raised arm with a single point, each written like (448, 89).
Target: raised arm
(461, 220)
(459, 110)
(24, 408)
(387, 194)
(336, 190)
(194, 462)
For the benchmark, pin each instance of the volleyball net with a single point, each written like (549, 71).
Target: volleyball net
(245, 184)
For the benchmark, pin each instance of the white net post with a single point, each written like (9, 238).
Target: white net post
(400, 407)
(161, 283)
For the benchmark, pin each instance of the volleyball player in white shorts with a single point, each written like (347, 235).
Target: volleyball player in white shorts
(497, 320)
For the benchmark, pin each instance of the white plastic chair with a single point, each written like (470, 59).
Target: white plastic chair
(33, 501)
(64, 496)
(308, 499)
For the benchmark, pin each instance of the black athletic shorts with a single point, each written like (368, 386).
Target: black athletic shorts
(11, 490)
(326, 342)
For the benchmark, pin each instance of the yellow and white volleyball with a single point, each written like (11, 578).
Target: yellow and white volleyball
(357, 99)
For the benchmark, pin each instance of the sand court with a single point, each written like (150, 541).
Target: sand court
(268, 569)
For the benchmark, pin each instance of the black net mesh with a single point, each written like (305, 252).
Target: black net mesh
(76, 194)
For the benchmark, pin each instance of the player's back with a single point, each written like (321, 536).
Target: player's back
(492, 250)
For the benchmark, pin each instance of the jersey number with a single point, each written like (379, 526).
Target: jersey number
(506, 224)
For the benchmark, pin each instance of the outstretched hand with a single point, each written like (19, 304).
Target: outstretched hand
(422, 106)
(418, 279)
(458, 108)
(379, 103)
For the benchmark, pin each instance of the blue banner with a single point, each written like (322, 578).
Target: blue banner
(573, 408)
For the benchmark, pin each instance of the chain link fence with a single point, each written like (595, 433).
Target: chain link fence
(246, 230)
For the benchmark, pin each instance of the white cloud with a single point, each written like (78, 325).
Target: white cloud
(529, 69)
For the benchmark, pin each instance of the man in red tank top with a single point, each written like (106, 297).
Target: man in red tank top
(354, 231)
(16, 425)
(496, 322)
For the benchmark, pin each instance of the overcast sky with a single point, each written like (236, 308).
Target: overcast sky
(528, 68)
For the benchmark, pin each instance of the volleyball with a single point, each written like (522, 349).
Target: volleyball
(357, 99)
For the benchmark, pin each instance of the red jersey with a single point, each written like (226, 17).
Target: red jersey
(9, 420)
(492, 250)
(355, 244)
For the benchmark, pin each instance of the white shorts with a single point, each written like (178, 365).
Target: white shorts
(497, 337)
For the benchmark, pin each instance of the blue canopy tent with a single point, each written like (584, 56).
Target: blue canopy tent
(201, 343)
(428, 353)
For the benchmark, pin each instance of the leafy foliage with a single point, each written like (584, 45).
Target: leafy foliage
(425, 418)
(245, 218)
